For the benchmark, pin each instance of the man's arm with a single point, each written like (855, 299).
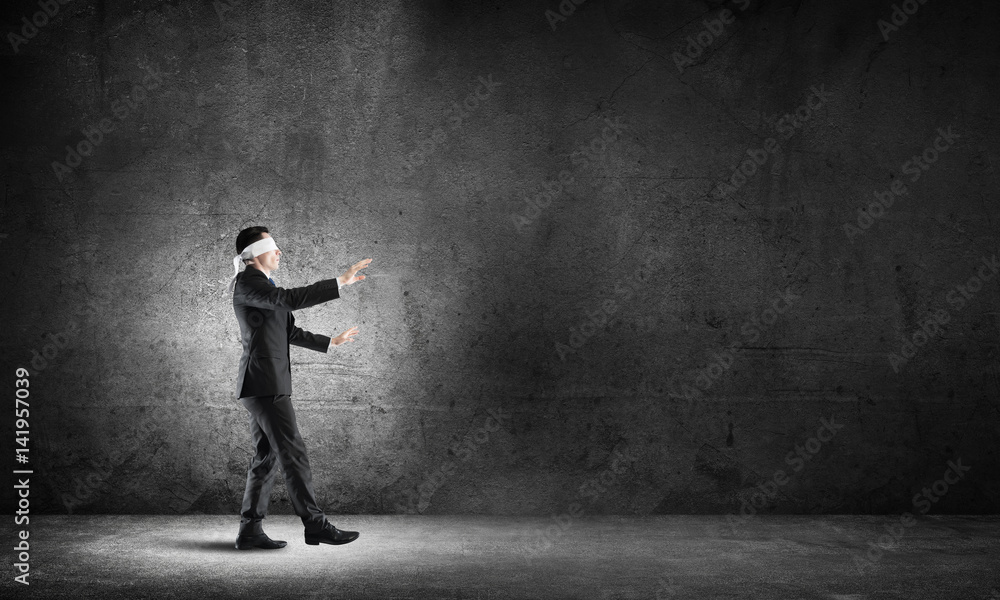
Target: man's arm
(258, 292)
(312, 341)
(265, 292)
(319, 343)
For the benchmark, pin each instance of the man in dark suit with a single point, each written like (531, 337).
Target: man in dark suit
(264, 386)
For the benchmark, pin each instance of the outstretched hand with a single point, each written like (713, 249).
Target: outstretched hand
(350, 276)
(344, 337)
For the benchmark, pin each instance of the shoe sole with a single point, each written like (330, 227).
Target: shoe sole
(259, 547)
(317, 542)
(252, 547)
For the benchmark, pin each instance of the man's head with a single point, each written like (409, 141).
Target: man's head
(265, 262)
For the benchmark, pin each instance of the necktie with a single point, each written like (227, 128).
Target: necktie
(272, 282)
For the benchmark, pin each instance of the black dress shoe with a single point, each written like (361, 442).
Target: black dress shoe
(245, 542)
(331, 535)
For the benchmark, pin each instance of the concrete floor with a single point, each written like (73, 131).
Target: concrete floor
(787, 557)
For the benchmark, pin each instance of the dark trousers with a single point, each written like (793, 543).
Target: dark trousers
(276, 440)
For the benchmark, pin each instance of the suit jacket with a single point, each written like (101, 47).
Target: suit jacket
(267, 327)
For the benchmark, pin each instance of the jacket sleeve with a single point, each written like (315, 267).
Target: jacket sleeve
(259, 293)
(312, 341)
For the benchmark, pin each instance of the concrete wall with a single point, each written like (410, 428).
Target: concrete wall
(576, 304)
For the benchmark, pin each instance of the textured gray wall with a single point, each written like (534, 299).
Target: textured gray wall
(728, 320)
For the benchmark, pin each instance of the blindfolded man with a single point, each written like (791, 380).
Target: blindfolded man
(264, 386)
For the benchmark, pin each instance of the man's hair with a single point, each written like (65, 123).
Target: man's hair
(249, 236)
